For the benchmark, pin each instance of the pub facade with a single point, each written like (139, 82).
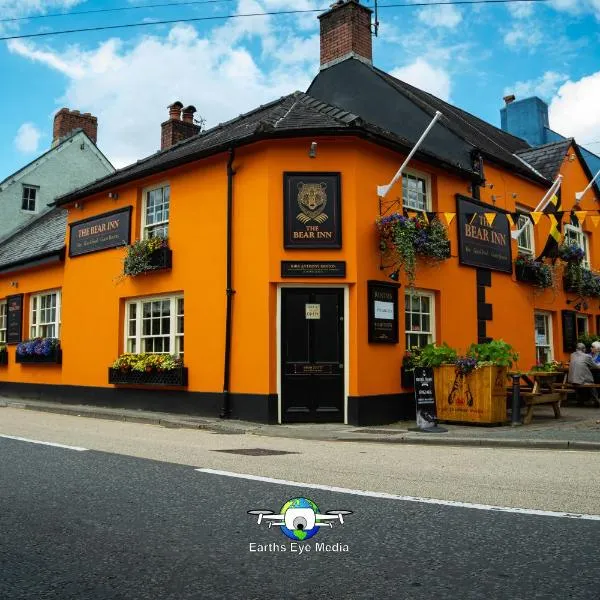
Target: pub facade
(268, 281)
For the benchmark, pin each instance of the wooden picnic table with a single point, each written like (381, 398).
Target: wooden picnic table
(541, 387)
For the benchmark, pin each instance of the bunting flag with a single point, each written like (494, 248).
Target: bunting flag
(581, 215)
(449, 217)
(595, 220)
(536, 216)
(511, 221)
(490, 218)
(554, 235)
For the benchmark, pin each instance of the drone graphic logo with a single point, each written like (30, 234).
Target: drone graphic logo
(300, 519)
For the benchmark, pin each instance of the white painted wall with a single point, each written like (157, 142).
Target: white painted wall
(69, 166)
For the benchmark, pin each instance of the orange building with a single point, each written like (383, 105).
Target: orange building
(272, 288)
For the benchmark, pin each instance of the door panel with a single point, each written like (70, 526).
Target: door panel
(312, 355)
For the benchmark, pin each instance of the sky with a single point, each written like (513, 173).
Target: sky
(469, 55)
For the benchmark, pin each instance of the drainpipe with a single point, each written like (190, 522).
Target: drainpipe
(226, 408)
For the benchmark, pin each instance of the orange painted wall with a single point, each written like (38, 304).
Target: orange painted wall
(95, 292)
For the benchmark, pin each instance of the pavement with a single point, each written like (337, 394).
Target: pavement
(577, 429)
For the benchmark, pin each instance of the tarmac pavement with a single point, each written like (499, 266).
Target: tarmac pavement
(577, 429)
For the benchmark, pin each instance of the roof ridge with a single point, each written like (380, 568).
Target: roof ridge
(567, 141)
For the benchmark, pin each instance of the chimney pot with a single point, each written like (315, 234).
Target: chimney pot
(509, 99)
(175, 110)
(187, 114)
(177, 129)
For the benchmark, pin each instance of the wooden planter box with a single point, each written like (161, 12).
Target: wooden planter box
(172, 377)
(3, 358)
(55, 357)
(479, 397)
(161, 259)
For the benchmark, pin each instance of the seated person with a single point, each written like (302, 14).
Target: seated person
(580, 372)
(596, 352)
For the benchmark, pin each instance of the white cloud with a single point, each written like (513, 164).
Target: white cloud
(15, 9)
(523, 35)
(425, 76)
(577, 7)
(574, 109)
(544, 86)
(522, 10)
(129, 85)
(27, 138)
(441, 16)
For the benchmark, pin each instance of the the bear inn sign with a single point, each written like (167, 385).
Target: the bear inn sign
(312, 210)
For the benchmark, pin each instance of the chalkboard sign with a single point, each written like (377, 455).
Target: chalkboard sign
(14, 319)
(425, 397)
(108, 230)
(383, 312)
(569, 326)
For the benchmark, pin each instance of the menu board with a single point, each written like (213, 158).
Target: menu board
(14, 319)
(383, 312)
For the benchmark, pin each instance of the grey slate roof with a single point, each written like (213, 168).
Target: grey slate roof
(41, 238)
(548, 158)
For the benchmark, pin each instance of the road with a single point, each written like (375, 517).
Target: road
(132, 517)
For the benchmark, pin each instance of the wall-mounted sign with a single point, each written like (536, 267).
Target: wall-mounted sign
(312, 311)
(481, 243)
(101, 232)
(569, 326)
(312, 210)
(383, 312)
(291, 268)
(14, 319)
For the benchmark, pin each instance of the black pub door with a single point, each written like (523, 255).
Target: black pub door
(312, 355)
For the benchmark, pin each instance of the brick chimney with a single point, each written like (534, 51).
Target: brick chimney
(65, 121)
(346, 33)
(177, 129)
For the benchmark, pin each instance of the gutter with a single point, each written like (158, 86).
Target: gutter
(55, 256)
(226, 407)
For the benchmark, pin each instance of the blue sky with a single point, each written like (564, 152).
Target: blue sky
(469, 55)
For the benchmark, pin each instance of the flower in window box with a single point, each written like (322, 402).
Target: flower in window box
(140, 255)
(571, 253)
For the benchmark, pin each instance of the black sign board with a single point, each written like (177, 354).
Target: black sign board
(425, 397)
(383, 312)
(312, 210)
(569, 326)
(102, 232)
(479, 243)
(14, 319)
(292, 268)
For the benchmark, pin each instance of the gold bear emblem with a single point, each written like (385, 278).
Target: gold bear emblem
(312, 199)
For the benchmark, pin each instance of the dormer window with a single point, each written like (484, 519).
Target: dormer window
(155, 214)
(416, 190)
(28, 198)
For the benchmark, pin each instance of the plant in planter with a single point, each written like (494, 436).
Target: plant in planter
(3, 354)
(495, 353)
(435, 356)
(147, 255)
(579, 280)
(148, 369)
(409, 361)
(571, 253)
(39, 350)
(403, 239)
(533, 271)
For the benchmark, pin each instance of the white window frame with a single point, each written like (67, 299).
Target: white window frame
(35, 328)
(428, 192)
(3, 320)
(175, 348)
(24, 187)
(527, 235)
(582, 241)
(432, 308)
(550, 338)
(145, 227)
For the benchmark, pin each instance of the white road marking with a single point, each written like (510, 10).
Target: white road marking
(20, 439)
(453, 503)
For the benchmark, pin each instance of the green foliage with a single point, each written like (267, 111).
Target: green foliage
(582, 281)
(496, 352)
(147, 362)
(138, 256)
(588, 338)
(536, 270)
(435, 356)
(551, 366)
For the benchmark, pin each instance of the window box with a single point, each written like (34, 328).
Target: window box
(578, 280)
(3, 357)
(525, 273)
(39, 351)
(145, 256)
(162, 258)
(170, 377)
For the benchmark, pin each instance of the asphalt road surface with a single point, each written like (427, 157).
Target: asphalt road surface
(98, 525)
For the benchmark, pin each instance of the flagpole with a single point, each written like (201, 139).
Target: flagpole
(580, 195)
(382, 190)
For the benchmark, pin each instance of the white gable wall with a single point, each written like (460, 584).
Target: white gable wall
(69, 166)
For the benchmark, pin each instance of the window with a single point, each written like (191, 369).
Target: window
(525, 242)
(155, 325)
(156, 212)
(582, 325)
(416, 191)
(3, 322)
(543, 337)
(45, 315)
(419, 318)
(575, 235)
(29, 196)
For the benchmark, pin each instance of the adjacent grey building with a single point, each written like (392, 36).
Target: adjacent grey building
(73, 161)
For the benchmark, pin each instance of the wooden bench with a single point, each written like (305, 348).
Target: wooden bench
(541, 388)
